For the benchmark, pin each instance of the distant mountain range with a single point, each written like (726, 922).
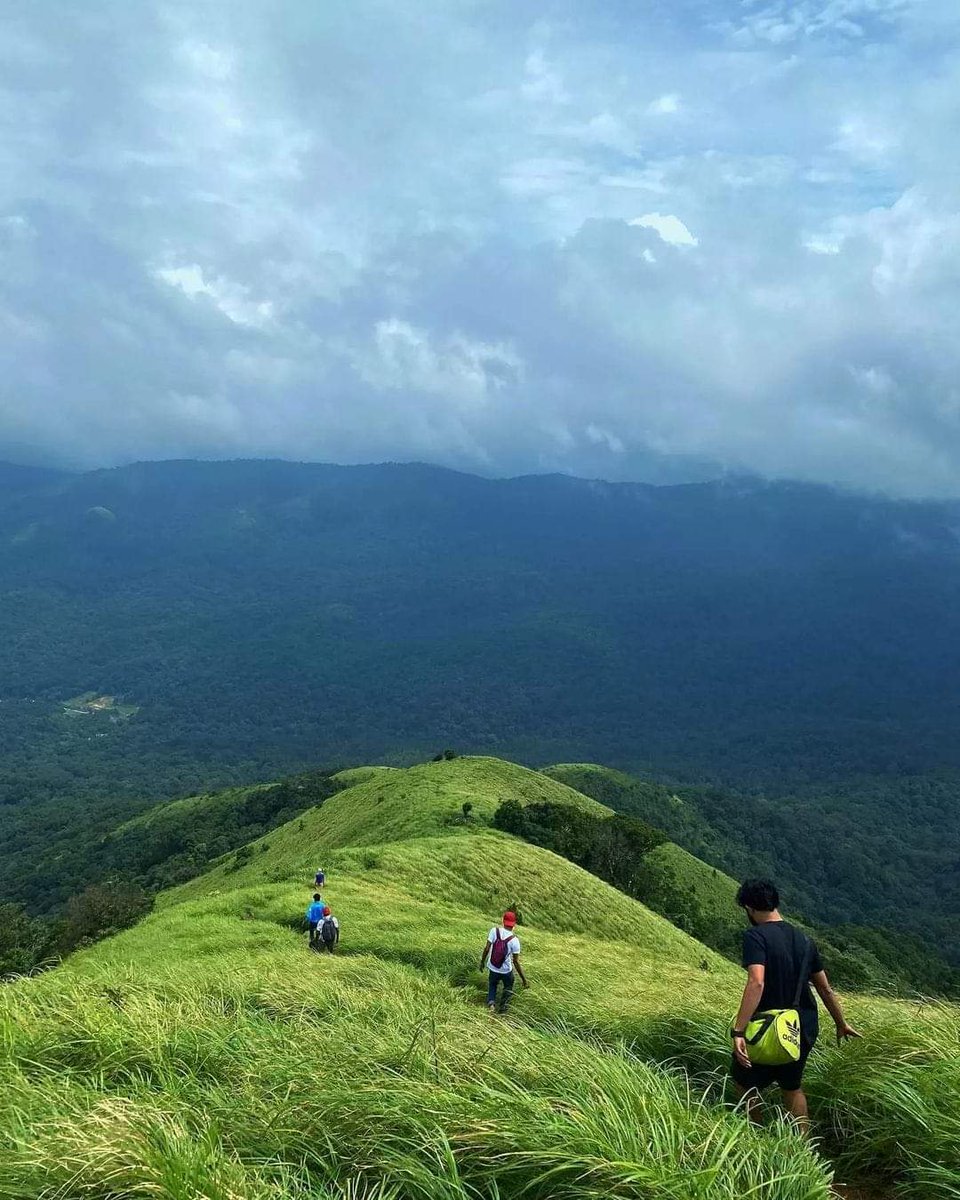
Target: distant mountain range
(265, 616)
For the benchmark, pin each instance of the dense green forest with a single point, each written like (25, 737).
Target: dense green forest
(831, 852)
(639, 859)
(786, 653)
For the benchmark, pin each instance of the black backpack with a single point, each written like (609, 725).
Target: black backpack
(328, 930)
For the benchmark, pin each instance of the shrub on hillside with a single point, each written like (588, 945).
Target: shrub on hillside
(612, 848)
(99, 911)
(24, 941)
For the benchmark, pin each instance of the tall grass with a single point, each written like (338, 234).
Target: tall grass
(257, 1086)
(205, 1053)
(888, 1106)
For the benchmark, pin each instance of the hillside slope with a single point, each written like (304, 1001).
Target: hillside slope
(206, 1053)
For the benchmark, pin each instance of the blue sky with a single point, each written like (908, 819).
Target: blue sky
(506, 237)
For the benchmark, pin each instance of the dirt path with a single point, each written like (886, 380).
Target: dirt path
(852, 1191)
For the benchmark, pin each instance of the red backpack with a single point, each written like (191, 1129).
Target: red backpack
(501, 947)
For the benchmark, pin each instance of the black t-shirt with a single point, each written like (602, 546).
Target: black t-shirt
(780, 947)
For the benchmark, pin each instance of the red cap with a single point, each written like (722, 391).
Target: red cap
(326, 910)
(509, 920)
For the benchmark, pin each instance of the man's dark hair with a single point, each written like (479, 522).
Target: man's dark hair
(759, 894)
(316, 895)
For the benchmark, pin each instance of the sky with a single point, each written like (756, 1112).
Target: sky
(606, 237)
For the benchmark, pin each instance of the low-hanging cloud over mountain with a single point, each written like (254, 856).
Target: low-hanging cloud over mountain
(495, 235)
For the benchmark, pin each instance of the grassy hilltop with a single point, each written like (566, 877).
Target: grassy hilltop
(206, 1053)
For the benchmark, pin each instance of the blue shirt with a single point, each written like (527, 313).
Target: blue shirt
(315, 912)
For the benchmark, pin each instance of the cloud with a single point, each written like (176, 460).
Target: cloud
(397, 230)
(670, 228)
(230, 298)
(783, 21)
(664, 105)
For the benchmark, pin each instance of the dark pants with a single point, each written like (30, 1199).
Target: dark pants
(497, 978)
(313, 934)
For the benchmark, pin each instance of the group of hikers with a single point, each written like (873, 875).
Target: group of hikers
(322, 925)
(776, 1025)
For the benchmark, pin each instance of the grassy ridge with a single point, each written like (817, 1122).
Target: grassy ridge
(390, 805)
(205, 1053)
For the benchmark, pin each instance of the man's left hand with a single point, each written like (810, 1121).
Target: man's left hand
(740, 1052)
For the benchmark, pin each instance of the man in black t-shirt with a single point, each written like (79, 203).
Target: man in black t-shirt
(775, 954)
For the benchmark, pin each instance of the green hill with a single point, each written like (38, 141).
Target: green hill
(206, 1053)
(428, 799)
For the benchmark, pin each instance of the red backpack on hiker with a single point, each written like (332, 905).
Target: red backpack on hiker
(501, 948)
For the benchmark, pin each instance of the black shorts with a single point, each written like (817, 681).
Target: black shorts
(789, 1078)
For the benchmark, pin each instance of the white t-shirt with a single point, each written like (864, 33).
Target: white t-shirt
(513, 947)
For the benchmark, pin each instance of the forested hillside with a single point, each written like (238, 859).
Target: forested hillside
(233, 622)
(830, 849)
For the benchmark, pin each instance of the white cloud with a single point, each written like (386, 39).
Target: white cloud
(230, 298)
(543, 176)
(874, 380)
(542, 82)
(822, 244)
(462, 370)
(216, 64)
(603, 437)
(860, 140)
(670, 228)
(781, 21)
(664, 105)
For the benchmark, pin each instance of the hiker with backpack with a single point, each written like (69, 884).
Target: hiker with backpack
(328, 932)
(778, 1022)
(320, 878)
(502, 953)
(314, 917)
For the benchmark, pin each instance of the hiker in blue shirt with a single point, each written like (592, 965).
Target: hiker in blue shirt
(314, 918)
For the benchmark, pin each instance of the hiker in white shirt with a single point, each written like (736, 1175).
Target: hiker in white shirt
(502, 954)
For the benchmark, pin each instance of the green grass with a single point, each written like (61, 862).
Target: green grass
(276, 1071)
(206, 1053)
(391, 805)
